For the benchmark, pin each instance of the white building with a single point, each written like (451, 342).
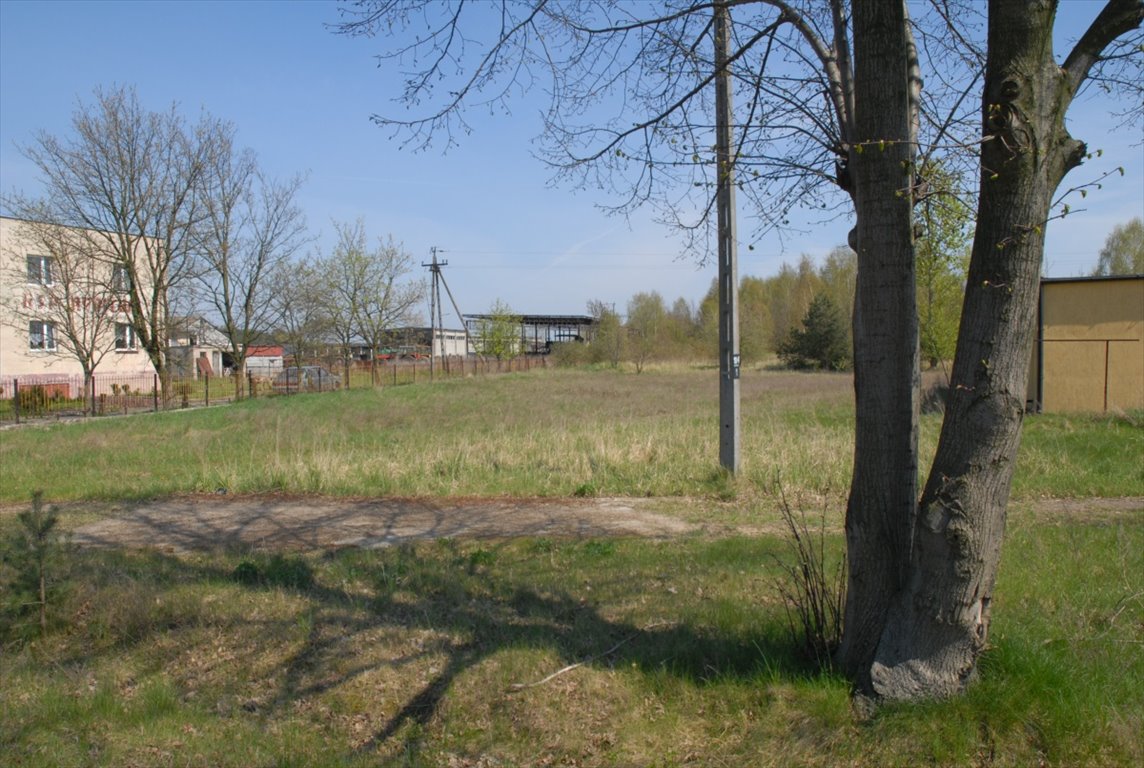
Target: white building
(451, 343)
(56, 304)
(264, 361)
(196, 349)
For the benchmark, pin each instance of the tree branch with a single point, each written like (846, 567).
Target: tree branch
(1115, 19)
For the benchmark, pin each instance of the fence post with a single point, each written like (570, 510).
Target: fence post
(207, 390)
(16, 399)
(93, 394)
(154, 391)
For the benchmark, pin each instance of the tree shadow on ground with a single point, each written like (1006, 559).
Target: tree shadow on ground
(466, 608)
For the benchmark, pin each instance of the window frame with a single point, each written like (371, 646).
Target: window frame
(120, 279)
(126, 340)
(42, 273)
(46, 334)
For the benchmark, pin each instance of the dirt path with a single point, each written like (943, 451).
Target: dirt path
(183, 524)
(196, 523)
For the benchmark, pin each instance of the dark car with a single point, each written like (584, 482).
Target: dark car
(308, 378)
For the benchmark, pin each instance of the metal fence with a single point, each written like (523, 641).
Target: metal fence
(53, 397)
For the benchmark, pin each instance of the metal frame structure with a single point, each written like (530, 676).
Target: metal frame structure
(539, 332)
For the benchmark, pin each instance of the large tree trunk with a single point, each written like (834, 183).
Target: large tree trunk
(938, 624)
(883, 493)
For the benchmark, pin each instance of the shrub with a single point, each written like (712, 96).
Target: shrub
(568, 354)
(33, 399)
(813, 591)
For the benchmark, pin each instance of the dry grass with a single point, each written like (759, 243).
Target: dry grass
(540, 434)
(544, 433)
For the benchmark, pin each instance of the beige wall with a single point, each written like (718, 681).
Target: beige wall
(18, 303)
(451, 343)
(1092, 344)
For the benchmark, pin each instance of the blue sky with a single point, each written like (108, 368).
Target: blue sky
(301, 97)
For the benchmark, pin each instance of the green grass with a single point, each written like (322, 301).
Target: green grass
(434, 655)
(544, 433)
(1081, 456)
(417, 655)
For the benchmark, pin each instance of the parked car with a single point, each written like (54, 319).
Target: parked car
(308, 378)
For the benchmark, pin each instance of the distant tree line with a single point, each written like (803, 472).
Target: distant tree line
(800, 317)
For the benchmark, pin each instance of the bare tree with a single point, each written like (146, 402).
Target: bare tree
(249, 225)
(367, 289)
(297, 299)
(939, 614)
(131, 176)
(390, 298)
(835, 111)
(73, 306)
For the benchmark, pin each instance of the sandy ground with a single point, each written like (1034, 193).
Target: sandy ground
(196, 523)
(184, 524)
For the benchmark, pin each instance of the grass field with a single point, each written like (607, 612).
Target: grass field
(459, 653)
(545, 433)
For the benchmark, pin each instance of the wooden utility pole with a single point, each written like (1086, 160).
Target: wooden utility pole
(729, 360)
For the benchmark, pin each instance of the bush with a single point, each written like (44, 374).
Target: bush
(813, 588)
(33, 399)
(569, 354)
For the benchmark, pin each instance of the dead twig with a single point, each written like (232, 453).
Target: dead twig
(589, 660)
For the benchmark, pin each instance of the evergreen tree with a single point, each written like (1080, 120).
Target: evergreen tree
(821, 341)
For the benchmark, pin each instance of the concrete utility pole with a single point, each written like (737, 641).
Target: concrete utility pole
(729, 360)
(435, 323)
(436, 320)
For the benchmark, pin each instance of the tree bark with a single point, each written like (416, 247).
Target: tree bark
(938, 624)
(883, 492)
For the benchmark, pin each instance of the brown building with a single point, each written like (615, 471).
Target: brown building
(1089, 354)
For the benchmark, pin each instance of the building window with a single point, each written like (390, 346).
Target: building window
(40, 270)
(120, 279)
(41, 335)
(125, 336)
